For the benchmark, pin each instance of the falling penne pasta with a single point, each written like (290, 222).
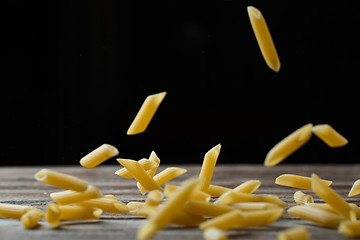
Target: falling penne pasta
(146, 113)
(216, 191)
(151, 172)
(331, 197)
(154, 198)
(61, 180)
(31, 218)
(235, 197)
(261, 217)
(296, 181)
(106, 204)
(350, 228)
(214, 234)
(208, 166)
(225, 221)
(98, 156)
(316, 215)
(355, 189)
(140, 174)
(13, 210)
(52, 215)
(133, 206)
(329, 135)
(264, 38)
(170, 189)
(288, 145)
(70, 196)
(202, 208)
(68, 212)
(296, 233)
(301, 198)
(253, 206)
(249, 186)
(146, 164)
(168, 211)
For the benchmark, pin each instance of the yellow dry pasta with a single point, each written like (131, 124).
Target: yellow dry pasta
(235, 197)
(214, 234)
(146, 164)
(154, 198)
(105, 204)
(350, 228)
(216, 191)
(165, 213)
(208, 166)
(327, 207)
(288, 145)
(146, 113)
(133, 206)
(296, 233)
(154, 158)
(31, 218)
(264, 38)
(297, 181)
(301, 198)
(98, 156)
(68, 212)
(331, 197)
(201, 208)
(13, 210)
(253, 206)
(170, 189)
(225, 221)
(52, 215)
(249, 186)
(329, 135)
(70, 196)
(355, 189)
(140, 174)
(61, 180)
(316, 215)
(261, 217)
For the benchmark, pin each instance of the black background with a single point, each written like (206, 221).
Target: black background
(75, 73)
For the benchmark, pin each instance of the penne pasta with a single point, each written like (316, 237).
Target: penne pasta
(316, 215)
(208, 166)
(296, 233)
(198, 195)
(329, 135)
(214, 234)
(98, 156)
(216, 191)
(105, 204)
(146, 164)
(146, 113)
(13, 211)
(31, 218)
(301, 198)
(154, 158)
(68, 212)
(134, 206)
(261, 217)
(69, 196)
(140, 174)
(288, 145)
(235, 197)
(350, 228)
(61, 180)
(52, 215)
(296, 181)
(264, 38)
(253, 206)
(225, 221)
(355, 189)
(201, 208)
(169, 210)
(249, 186)
(331, 197)
(326, 207)
(154, 198)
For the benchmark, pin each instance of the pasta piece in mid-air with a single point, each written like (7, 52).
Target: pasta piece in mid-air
(301, 198)
(208, 166)
(13, 210)
(214, 234)
(151, 172)
(202, 208)
(154, 198)
(106, 204)
(69, 212)
(146, 113)
(288, 145)
(146, 164)
(225, 221)
(52, 214)
(355, 189)
(296, 233)
(350, 228)
(264, 38)
(329, 135)
(98, 156)
(70, 196)
(296, 181)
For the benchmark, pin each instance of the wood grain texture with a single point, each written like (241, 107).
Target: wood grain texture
(18, 186)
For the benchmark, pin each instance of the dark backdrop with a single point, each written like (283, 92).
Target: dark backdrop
(75, 73)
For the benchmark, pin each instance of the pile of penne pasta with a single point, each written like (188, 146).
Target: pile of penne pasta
(198, 203)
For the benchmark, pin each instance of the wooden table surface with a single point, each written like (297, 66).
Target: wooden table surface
(18, 186)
